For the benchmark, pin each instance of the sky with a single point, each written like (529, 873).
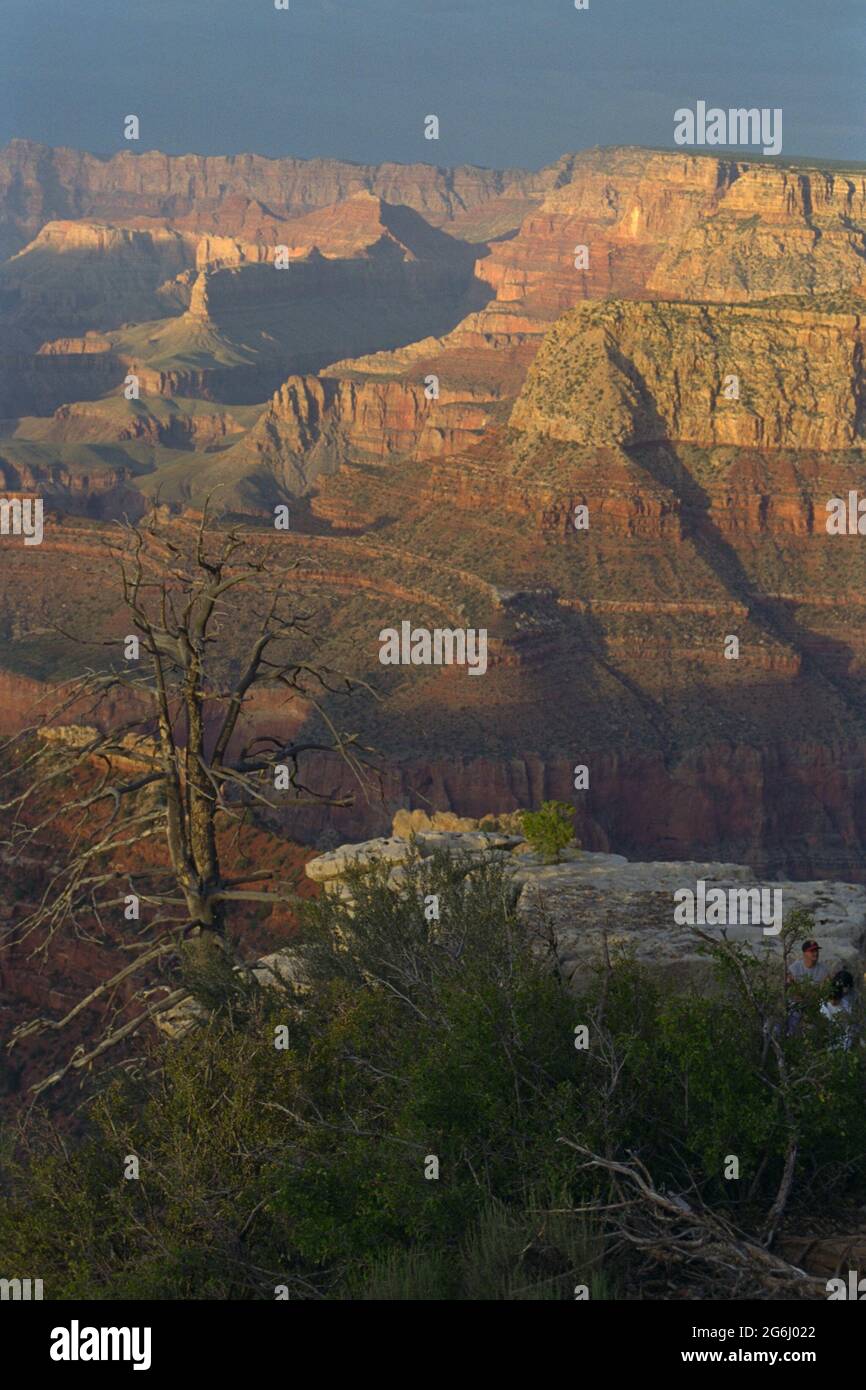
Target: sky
(514, 83)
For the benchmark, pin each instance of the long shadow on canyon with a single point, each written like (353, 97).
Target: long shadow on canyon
(667, 468)
(777, 620)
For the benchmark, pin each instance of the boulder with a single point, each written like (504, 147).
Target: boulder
(363, 856)
(633, 905)
(278, 968)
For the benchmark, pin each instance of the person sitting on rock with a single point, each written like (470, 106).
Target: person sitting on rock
(838, 1008)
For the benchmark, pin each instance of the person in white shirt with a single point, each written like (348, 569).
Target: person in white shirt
(838, 1008)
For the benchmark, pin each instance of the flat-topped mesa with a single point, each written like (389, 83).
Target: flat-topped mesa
(98, 269)
(152, 250)
(362, 226)
(632, 373)
(80, 276)
(368, 225)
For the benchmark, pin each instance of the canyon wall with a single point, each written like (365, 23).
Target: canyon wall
(692, 385)
(213, 193)
(621, 373)
(637, 225)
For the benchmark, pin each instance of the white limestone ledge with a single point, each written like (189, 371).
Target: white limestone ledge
(587, 900)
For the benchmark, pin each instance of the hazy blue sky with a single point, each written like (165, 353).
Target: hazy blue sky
(514, 82)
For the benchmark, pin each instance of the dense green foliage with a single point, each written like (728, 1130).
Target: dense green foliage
(549, 829)
(309, 1166)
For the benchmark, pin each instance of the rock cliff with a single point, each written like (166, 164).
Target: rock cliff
(635, 225)
(631, 373)
(591, 903)
(218, 194)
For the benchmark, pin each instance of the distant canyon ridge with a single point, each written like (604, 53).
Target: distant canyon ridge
(437, 371)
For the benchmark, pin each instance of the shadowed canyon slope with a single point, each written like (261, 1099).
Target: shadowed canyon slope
(668, 347)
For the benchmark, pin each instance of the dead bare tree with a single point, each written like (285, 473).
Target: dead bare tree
(169, 771)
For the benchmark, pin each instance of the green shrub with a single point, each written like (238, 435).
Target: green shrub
(507, 1255)
(550, 829)
(420, 1038)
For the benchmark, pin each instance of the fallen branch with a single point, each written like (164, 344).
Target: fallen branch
(666, 1229)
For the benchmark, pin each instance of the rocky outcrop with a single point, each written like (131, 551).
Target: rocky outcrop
(591, 903)
(577, 912)
(314, 424)
(626, 373)
(630, 907)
